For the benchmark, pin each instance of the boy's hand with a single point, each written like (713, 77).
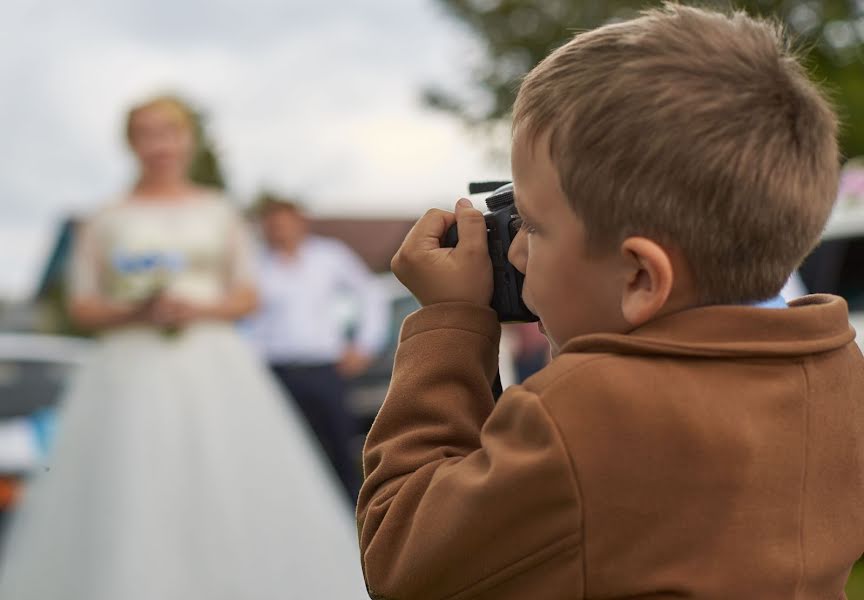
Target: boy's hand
(435, 274)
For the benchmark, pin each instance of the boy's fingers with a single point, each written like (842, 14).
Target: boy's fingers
(429, 229)
(471, 226)
(424, 237)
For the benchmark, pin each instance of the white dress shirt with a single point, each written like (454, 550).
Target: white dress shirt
(794, 287)
(309, 301)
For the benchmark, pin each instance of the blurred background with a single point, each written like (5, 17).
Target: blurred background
(371, 111)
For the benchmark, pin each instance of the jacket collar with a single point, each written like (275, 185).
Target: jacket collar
(812, 324)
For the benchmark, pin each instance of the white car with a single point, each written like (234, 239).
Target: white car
(34, 370)
(837, 265)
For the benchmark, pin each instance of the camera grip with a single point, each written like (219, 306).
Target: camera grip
(507, 281)
(451, 237)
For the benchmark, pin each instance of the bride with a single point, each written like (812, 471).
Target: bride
(178, 472)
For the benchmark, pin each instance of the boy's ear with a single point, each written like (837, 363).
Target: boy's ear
(649, 279)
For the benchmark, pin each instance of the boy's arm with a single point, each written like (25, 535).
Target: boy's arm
(464, 498)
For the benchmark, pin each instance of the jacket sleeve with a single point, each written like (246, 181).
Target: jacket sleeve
(464, 498)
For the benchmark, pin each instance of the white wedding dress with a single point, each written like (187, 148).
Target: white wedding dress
(179, 472)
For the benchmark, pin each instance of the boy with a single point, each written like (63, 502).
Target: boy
(694, 436)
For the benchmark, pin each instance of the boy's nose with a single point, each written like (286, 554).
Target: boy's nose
(518, 252)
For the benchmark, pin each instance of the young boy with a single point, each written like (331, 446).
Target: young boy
(694, 437)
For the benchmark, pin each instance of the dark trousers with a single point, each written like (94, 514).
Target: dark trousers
(320, 393)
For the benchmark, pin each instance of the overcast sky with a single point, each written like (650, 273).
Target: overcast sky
(319, 98)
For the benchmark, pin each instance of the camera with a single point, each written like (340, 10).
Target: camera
(502, 225)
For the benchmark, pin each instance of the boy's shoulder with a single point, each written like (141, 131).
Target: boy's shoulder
(593, 388)
(712, 353)
(567, 366)
(583, 376)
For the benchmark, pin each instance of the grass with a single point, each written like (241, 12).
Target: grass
(855, 585)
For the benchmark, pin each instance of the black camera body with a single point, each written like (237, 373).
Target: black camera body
(502, 225)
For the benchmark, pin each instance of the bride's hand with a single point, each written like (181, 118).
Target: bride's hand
(165, 311)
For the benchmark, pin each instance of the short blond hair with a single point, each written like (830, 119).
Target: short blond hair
(696, 129)
(171, 105)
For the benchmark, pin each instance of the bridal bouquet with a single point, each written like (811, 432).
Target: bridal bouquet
(143, 276)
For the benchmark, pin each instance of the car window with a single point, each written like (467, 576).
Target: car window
(837, 267)
(28, 386)
(380, 369)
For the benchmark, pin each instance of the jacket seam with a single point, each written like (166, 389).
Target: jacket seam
(430, 330)
(578, 490)
(803, 489)
(577, 536)
(568, 372)
(552, 384)
(546, 549)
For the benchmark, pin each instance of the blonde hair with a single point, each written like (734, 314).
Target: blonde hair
(696, 129)
(170, 105)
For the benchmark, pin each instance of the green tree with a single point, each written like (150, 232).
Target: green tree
(517, 34)
(205, 168)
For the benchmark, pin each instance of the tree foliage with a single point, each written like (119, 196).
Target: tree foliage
(205, 168)
(517, 34)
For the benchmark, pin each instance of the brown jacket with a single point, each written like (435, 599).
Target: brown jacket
(717, 453)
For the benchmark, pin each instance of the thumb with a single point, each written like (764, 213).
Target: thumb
(471, 226)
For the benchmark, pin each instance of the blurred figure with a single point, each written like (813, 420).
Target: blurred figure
(531, 352)
(178, 473)
(851, 189)
(301, 333)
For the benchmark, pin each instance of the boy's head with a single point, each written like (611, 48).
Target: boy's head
(696, 131)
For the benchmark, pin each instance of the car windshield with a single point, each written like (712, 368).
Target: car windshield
(837, 267)
(27, 386)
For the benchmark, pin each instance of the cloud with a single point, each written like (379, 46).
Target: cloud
(22, 247)
(321, 98)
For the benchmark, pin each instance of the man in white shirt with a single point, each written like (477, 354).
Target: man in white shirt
(301, 331)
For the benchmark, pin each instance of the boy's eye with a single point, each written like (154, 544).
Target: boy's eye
(523, 225)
